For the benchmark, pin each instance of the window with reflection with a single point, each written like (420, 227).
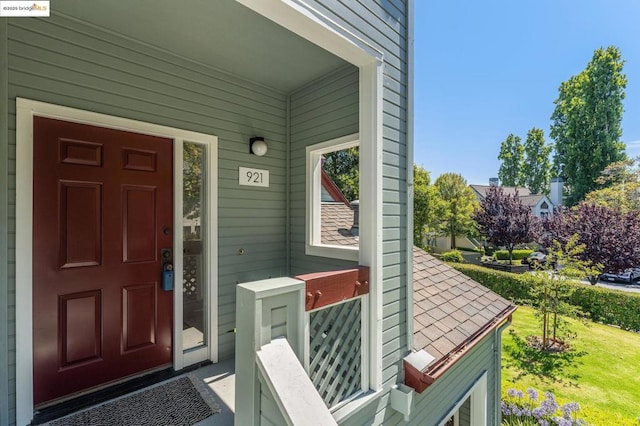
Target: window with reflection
(333, 190)
(194, 331)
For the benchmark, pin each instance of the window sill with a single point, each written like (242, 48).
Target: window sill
(334, 252)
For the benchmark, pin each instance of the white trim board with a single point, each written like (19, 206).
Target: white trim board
(26, 110)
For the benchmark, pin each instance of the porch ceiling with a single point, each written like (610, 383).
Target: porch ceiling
(221, 33)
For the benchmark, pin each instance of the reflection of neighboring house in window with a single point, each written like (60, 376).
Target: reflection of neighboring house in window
(191, 226)
(337, 214)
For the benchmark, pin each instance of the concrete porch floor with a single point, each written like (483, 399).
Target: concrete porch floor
(220, 378)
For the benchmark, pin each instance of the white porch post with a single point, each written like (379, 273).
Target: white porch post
(264, 310)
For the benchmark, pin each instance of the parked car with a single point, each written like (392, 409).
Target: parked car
(627, 276)
(536, 260)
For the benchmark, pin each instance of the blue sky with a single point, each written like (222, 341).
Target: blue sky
(490, 68)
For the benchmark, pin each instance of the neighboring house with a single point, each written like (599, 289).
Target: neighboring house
(540, 204)
(101, 102)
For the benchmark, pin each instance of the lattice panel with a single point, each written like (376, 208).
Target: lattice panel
(192, 277)
(335, 346)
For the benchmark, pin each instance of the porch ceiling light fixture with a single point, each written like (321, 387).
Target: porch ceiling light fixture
(257, 146)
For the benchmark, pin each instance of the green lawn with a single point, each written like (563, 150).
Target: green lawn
(601, 373)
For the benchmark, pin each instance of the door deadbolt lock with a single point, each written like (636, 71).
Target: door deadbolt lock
(167, 269)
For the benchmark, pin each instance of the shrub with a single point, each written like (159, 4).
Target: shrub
(603, 305)
(453, 256)
(517, 254)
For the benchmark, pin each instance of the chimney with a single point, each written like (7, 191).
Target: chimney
(556, 192)
(493, 181)
(355, 228)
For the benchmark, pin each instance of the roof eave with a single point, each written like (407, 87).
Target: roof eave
(421, 380)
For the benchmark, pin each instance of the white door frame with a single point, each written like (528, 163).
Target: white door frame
(26, 110)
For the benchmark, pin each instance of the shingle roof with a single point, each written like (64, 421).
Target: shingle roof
(508, 190)
(531, 200)
(448, 307)
(337, 219)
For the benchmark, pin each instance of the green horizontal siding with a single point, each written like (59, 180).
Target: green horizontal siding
(321, 111)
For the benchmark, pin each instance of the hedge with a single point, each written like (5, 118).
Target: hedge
(508, 285)
(603, 305)
(517, 254)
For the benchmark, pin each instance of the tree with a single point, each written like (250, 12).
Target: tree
(504, 221)
(552, 290)
(512, 156)
(459, 203)
(343, 168)
(611, 238)
(428, 208)
(586, 122)
(536, 167)
(621, 181)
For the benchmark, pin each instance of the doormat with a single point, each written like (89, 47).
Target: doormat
(179, 402)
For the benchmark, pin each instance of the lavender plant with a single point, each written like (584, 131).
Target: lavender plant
(530, 411)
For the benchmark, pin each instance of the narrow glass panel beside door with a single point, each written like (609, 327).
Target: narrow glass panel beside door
(195, 288)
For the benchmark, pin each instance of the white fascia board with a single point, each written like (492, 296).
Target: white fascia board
(304, 21)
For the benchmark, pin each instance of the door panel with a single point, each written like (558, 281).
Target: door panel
(102, 198)
(80, 224)
(80, 327)
(138, 316)
(139, 227)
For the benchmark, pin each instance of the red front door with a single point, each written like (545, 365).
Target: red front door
(102, 212)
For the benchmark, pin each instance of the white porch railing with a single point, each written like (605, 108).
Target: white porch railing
(267, 310)
(292, 390)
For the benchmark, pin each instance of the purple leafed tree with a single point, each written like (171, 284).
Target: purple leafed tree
(504, 221)
(611, 238)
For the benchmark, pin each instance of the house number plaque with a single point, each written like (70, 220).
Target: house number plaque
(253, 177)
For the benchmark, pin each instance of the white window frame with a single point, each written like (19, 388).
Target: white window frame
(313, 241)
